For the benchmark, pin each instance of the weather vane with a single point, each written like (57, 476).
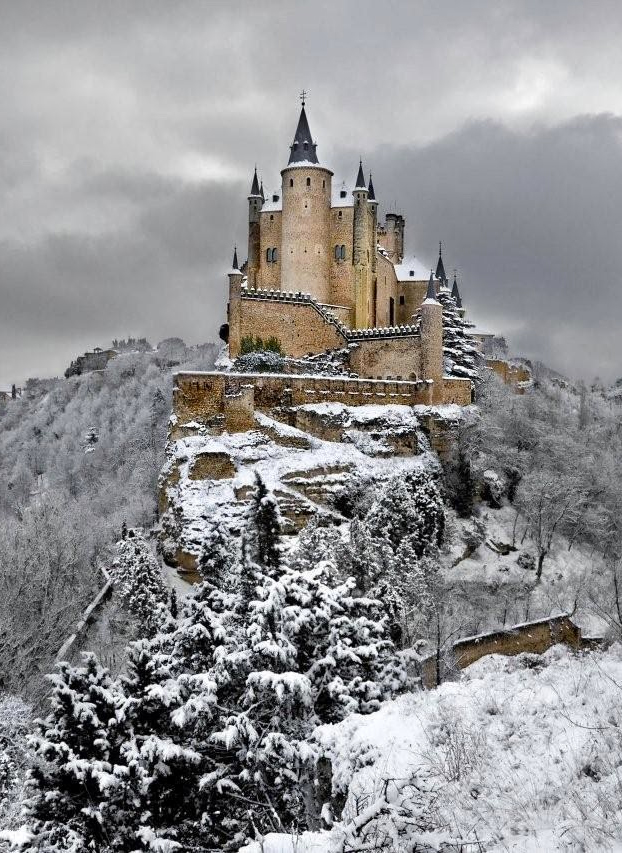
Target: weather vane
(303, 97)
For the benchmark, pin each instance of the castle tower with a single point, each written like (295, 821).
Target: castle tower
(305, 229)
(373, 207)
(234, 307)
(255, 202)
(394, 238)
(360, 251)
(432, 341)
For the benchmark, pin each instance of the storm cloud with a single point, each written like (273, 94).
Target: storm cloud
(129, 131)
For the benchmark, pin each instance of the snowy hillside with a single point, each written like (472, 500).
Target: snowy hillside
(521, 755)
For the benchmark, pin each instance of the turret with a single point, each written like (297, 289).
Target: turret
(373, 237)
(234, 307)
(440, 267)
(361, 255)
(455, 292)
(432, 341)
(394, 237)
(255, 203)
(305, 228)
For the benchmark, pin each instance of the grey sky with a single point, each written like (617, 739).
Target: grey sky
(129, 130)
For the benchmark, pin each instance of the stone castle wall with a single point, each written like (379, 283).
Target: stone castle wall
(381, 357)
(298, 326)
(221, 401)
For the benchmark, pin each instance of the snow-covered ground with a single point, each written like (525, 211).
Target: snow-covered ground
(523, 754)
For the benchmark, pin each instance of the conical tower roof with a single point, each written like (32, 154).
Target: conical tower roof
(455, 292)
(261, 192)
(303, 147)
(431, 294)
(360, 178)
(440, 267)
(255, 184)
(234, 265)
(372, 194)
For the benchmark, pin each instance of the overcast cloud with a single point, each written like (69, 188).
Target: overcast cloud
(129, 130)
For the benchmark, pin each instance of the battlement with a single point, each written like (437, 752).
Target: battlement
(228, 401)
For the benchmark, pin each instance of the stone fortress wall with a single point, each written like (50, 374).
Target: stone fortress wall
(228, 401)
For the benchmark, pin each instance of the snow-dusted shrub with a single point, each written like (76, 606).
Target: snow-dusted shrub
(260, 362)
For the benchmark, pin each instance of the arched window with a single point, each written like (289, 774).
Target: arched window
(342, 253)
(308, 182)
(291, 182)
(268, 255)
(323, 184)
(337, 253)
(274, 256)
(402, 300)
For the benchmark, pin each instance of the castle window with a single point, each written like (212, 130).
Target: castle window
(337, 253)
(342, 194)
(308, 182)
(291, 182)
(275, 197)
(305, 145)
(402, 300)
(340, 214)
(274, 256)
(412, 273)
(268, 255)
(271, 217)
(323, 184)
(342, 253)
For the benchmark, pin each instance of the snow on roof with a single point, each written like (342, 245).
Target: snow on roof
(271, 204)
(340, 200)
(412, 269)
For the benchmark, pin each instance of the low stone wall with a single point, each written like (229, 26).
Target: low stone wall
(535, 637)
(532, 637)
(222, 401)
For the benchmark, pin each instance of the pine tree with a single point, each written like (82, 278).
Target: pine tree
(312, 654)
(266, 526)
(138, 578)
(408, 506)
(77, 789)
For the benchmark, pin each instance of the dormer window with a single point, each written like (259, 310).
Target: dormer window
(411, 273)
(342, 194)
(305, 145)
(275, 197)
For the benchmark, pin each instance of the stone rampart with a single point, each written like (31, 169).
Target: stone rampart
(222, 401)
(457, 390)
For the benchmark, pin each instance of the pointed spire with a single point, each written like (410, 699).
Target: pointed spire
(360, 178)
(431, 294)
(372, 194)
(235, 259)
(303, 147)
(261, 193)
(255, 186)
(455, 292)
(440, 267)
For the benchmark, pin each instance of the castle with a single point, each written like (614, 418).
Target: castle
(323, 273)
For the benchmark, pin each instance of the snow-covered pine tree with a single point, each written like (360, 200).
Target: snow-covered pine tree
(312, 654)
(408, 506)
(71, 806)
(461, 356)
(265, 527)
(138, 578)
